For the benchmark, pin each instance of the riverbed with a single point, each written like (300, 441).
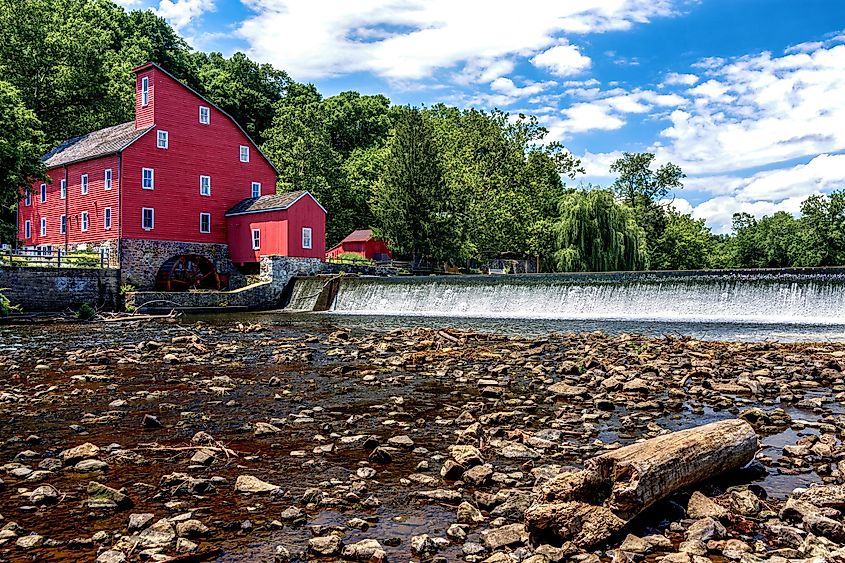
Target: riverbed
(348, 422)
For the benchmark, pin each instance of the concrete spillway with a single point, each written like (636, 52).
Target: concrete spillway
(770, 296)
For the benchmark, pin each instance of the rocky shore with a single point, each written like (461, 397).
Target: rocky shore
(188, 441)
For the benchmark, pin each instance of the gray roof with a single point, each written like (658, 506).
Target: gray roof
(106, 141)
(275, 202)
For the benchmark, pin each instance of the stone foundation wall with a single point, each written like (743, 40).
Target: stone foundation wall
(140, 260)
(57, 289)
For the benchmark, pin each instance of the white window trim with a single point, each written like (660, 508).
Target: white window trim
(63, 188)
(209, 186)
(107, 218)
(27, 198)
(42, 193)
(207, 231)
(62, 224)
(84, 222)
(108, 177)
(152, 218)
(207, 115)
(253, 192)
(258, 240)
(145, 91)
(83, 184)
(310, 237)
(43, 227)
(152, 178)
(27, 229)
(162, 136)
(244, 150)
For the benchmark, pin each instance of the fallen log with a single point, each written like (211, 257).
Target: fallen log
(589, 506)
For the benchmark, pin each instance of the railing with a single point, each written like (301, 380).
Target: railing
(48, 258)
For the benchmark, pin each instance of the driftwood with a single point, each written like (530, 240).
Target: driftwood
(589, 506)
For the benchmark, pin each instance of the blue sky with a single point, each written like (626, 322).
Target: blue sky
(747, 96)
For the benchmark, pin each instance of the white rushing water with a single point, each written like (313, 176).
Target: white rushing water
(708, 298)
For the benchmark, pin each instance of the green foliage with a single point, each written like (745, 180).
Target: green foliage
(595, 233)
(685, 244)
(127, 288)
(21, 146)
(6, 307)
(85, 312)
(351, 257)
(412, 205)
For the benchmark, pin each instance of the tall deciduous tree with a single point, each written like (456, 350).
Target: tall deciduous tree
(21, 146)
(685, 244)
(595, 233)
(413, 208)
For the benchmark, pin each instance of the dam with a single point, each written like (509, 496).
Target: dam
(795, 296)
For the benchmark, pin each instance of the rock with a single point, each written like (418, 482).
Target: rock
(253, 485)
(636, 385)
(29, 542)
(563, 389)
(43, 495)
(510, 535)
(468, 514)
(102, 496)
(704, 530)
(91, 466)
(423, 545)
(138, 521)
(151, 421)
(515, 450)
(292, 514)
(466, 455)
(78, 453)
(111, 556)
(369, 550)
(380, 455)
(265, 429)
(401, 442)
(203, 457)
(477, 475)
(191, 528)
(325, 546)
(184, 484)
(184, 545)
(744, 503)
(699, 506)
(635, 544)
(441, 495)
(160, 534)
(451, 470)
(828, 496)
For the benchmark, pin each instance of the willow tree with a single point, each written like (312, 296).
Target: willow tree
(596, 233)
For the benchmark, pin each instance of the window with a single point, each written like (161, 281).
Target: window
(43, 226)
(256, 239)
(306, 237)
(27, 198)
(43, 193)
(63, 189)
(107, 179)
(83, 183)
(244, 153)
(107, 218)
(27, 229)
(205, 116)
(256, 189)
(162, 139)
(205, 185)
(147, 178)
(148, 219)
(83, 221)
(145, 90)
(205, 222)
(62, 224)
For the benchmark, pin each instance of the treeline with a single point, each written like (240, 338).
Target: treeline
(442, 185)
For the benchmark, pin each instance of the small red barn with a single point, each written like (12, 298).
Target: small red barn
(287, 224)
(364, 243)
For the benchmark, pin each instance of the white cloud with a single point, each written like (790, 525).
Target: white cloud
(128, 3)
(718, 212)
(675, 79)
(413, 39)
(507, 87)
(562, 60)
(180, 13)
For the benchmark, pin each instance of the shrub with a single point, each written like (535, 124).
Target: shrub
(86, 312)
(6, 307)
(351, 257)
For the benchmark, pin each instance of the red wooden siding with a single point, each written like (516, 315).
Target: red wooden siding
(274, 235)
(97, 199)
(194, 150)
(307, 213)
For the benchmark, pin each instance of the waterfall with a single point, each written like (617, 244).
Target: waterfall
(306, 292)
(771, 296)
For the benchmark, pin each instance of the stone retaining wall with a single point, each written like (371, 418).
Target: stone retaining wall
(57, 289)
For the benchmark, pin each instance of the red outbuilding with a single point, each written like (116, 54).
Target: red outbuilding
(362, 242)
(154, 193)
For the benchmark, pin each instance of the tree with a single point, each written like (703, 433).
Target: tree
(685, 244)
(21, 146)
(595, 233)
(356, 121)
(411, 203)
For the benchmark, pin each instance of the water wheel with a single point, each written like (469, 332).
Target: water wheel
(187, 271)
